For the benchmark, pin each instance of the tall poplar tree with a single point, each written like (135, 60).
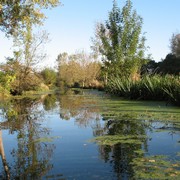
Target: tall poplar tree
(120, 42)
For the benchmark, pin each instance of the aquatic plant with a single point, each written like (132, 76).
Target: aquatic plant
(155, 87)
(155, 167)
(116, 139)
(172, 90)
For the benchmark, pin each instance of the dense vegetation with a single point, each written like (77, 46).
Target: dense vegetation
(17, 20)
(118, 63)
(154, 87)
(78, 70)
(127, 72)
(120, 42)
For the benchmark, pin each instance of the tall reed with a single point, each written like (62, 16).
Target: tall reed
(147, 88)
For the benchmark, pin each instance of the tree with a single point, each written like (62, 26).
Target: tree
(89, 69)
(120, 43)
(151, 67)
(61, 59)
(17, 18)
(21, 67)
(16, 14)
(49, 76)
(170, 65)
(175, 44)
(18, 78)
(79, 68)
(30, 50)
(31, 156)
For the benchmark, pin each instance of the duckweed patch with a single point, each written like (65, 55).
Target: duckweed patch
(142, 115)
(155, 167)
(116, 139)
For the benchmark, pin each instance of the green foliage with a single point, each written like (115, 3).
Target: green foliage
(49, 76)
(120, 43)
(16, 14)
(6, 80)
(19, 71)
(49, 102)
(172, 90)
(17, 18)
(121, 87)
(170, 65)
(17, 78)
(148, 88)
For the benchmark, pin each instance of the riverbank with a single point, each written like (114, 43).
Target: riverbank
(163, 88)
(153, 88)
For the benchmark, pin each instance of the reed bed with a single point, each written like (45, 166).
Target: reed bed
(154, 87)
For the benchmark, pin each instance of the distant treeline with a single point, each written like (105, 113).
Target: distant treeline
(78, 70)
(118, 62)
(169, 65)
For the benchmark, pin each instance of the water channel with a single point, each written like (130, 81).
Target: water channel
(84, 135)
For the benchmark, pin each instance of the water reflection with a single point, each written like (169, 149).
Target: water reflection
(84, 110)
(126, 134)
(125, 145)
(3, 157)
(124, 138)
(31, 157)
(49, 102)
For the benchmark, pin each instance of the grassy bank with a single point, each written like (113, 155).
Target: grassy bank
(5, 94)
(166, 88)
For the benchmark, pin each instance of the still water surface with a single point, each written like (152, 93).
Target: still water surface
(84, 135)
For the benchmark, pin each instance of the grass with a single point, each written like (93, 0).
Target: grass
(166, 88)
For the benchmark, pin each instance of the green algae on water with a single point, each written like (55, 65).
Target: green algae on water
(116, 139)
(155, 167)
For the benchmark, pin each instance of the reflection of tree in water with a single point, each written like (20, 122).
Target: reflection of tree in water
(128, 136)
(124, 142)
(49, 102)
(70, 105)
(31, 158)
(3, 157)
(83, 108)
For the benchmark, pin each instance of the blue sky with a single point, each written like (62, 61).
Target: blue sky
(71, 26)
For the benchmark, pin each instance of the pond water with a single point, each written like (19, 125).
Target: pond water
(88, 135)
